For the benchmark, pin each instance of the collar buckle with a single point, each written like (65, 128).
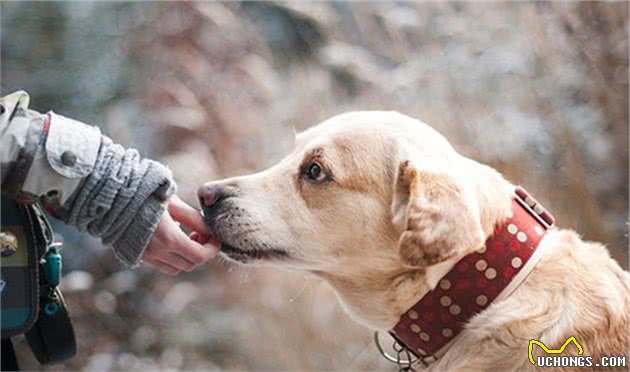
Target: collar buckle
(406, 360)
(533, 207)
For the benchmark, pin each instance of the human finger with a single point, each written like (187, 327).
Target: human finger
(161, 266)
(186, 215)
(176, 260)
(194, 251)
(200, 238)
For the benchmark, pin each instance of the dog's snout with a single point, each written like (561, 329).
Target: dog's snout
(210, 193)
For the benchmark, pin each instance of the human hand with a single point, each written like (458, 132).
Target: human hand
(170, 250)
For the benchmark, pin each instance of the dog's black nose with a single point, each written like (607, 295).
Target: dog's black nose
(210, 193)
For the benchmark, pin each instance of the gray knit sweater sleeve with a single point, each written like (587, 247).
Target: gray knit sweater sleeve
(121, 200)
(81, 176)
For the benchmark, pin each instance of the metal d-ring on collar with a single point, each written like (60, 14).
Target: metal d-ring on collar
(404, 364)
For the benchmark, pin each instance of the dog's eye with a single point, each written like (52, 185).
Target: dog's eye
(315, 172)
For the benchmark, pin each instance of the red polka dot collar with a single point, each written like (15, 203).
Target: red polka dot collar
(433, 323)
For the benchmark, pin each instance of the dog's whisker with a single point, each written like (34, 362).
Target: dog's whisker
(243, 275)
(306, 283)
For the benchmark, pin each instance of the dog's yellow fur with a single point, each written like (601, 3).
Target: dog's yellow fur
(398, 209)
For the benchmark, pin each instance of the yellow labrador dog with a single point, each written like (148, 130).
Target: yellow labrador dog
(380, 206)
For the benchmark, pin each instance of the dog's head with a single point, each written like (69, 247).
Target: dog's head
(374, 202)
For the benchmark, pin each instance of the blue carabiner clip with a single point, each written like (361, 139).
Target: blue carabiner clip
(53, 265)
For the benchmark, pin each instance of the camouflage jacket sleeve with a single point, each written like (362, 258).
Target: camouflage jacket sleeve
(81, 176)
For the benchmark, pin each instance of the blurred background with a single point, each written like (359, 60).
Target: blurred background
(537, 90)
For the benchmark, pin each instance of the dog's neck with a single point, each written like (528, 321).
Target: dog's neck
(378, 297)
(428, 309)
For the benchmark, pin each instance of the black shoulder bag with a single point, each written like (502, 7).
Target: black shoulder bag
(31, 302)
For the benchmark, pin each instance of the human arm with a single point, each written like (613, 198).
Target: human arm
(87, 181)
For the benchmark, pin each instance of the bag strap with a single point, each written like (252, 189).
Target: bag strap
(9, 360)
(52, 337)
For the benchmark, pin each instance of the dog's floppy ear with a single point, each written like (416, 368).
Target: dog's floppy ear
(438, 218)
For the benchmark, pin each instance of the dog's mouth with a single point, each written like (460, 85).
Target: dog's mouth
(237, 246)
(247, 255)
